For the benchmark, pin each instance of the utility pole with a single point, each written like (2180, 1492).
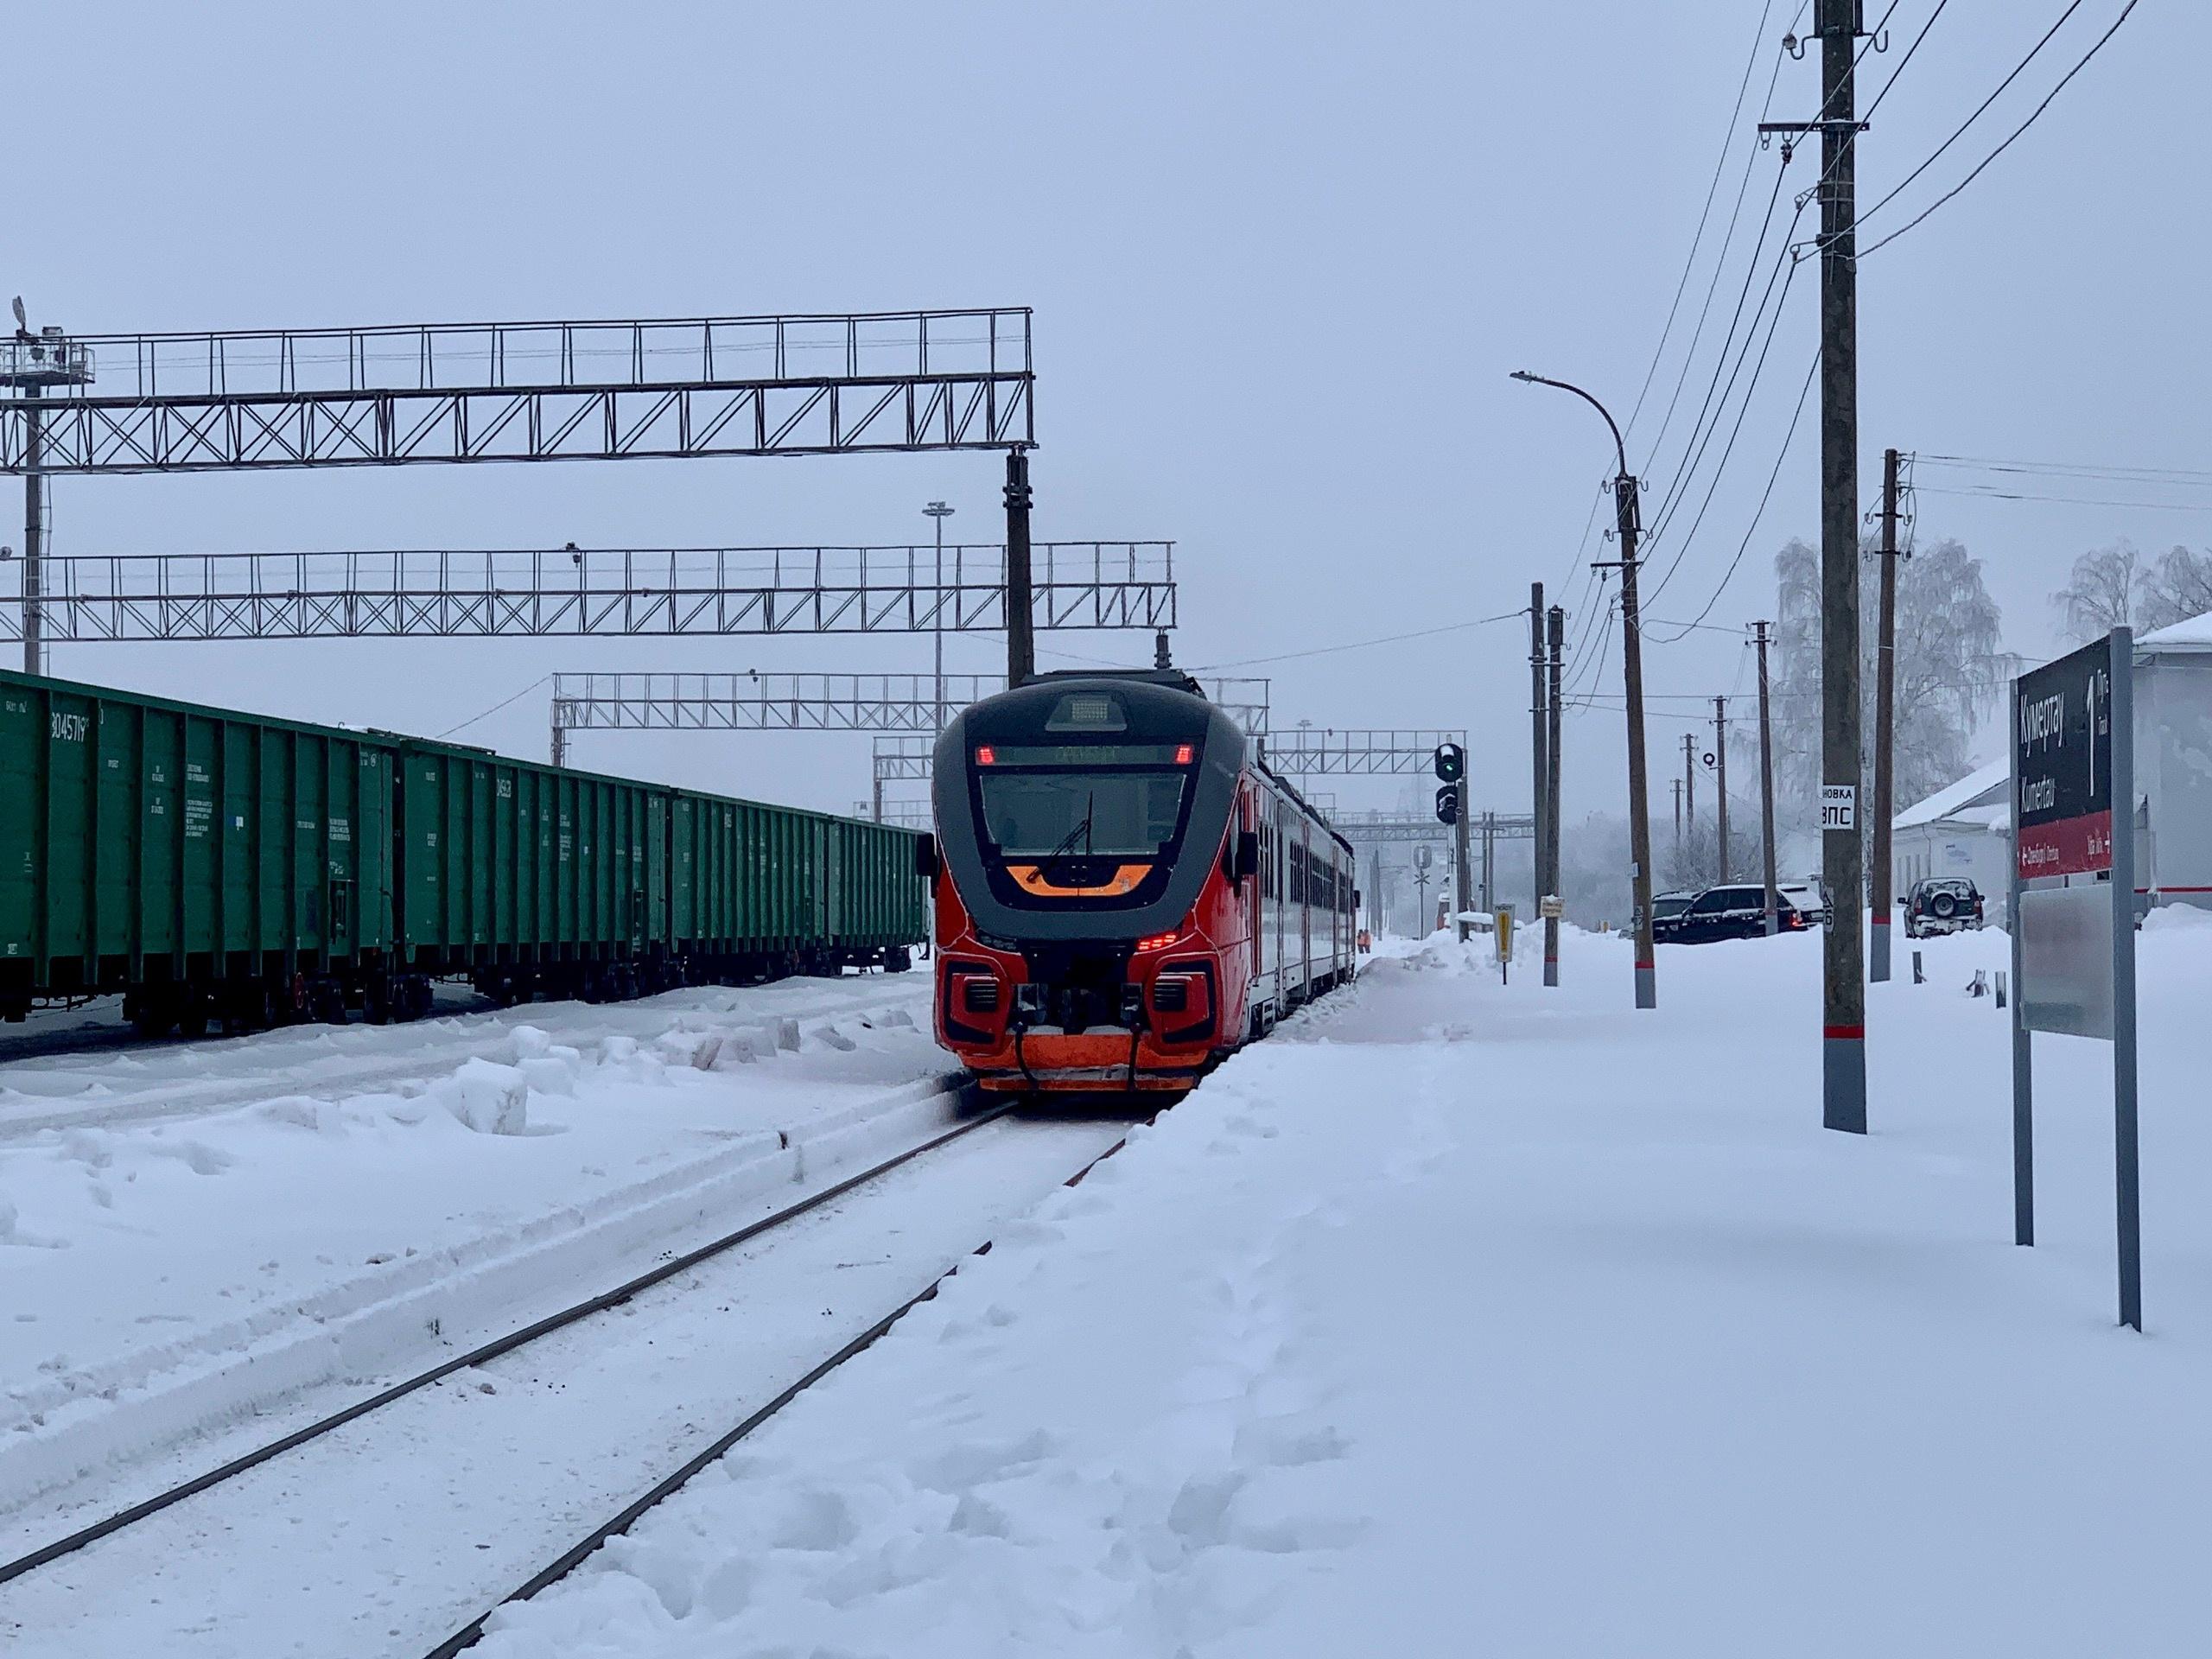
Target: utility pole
(1720, 782)
(1555, 648)
(1880, 879)
(1541, 770)
(1021, 640)
(1678, 828)
(938, 512)
(1766, 788)
(1843, 999)
(1489, 858)
(1689, 782)
(33, 535)
(1626, 517)
(1462, 885)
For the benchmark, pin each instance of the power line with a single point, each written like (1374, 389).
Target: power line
(1361, 645)
(1765, 496)
(496, 706)
(2033, 116)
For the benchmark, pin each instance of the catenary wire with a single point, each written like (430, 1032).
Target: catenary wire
(2033, 116)
(1960, 131)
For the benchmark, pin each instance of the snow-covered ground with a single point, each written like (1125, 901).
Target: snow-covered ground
(1471, 1319)
(183, 1271)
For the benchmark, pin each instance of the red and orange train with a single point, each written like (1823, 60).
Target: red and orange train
(1124, 892)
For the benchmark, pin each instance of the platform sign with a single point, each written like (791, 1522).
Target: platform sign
(2062, 756)
(2074, 936)
(1839, 806)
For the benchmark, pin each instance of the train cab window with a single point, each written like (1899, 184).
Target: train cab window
(1038, 813)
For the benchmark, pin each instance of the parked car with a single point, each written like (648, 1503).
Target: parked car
(1810, 897)
(1665, 906)
(1730, 913)
(1941, 904)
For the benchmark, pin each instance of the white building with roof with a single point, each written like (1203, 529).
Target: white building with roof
(1962, 830)
(1966, 830)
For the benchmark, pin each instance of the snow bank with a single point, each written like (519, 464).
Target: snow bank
(196, 1273)
(1472, 1317)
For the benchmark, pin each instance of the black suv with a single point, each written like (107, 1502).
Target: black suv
(1733, 913)
(1941, 904)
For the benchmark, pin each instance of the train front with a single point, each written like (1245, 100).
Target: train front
(1091, 932)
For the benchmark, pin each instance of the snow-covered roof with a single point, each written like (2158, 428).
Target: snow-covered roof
(1983, 787)
(2193, 634)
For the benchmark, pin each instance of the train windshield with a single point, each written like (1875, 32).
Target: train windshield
(1082, 814)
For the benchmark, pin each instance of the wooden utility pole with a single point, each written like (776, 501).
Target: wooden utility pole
(1766, 788)
(1678, 829)
(1843, 1028)
(1689, 782)
(1720, 782)
(1555, 639)
(1843, 996)
(1881, 879)
(1541, 770)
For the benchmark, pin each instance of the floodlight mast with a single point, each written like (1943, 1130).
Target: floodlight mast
(33, 364)
(1639, 817)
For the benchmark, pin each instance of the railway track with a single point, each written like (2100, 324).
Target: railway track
(169, 1514)
(619, 1522)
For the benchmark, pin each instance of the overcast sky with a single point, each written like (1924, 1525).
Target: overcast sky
(1282, 258)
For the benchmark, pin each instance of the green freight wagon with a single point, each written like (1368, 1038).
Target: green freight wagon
(758, 890)
(212, 865)
(524, 877)
(207, 864)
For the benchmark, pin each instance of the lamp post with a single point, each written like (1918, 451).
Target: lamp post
(1639, 817)
(938, 512)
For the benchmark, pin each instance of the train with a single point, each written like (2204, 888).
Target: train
(223, 869)
(1125, 894)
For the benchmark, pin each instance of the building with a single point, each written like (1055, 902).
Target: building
(1962, 830)
(1966, 830)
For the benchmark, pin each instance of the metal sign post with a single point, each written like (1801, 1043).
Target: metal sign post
(2074, 946)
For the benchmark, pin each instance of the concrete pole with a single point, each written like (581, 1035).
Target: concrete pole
(1021, 636)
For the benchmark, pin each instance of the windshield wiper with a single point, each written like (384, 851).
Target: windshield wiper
(1067, 842)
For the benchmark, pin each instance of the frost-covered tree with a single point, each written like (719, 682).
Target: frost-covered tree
(2103, 592)
(1951, 669)
(2177, 588)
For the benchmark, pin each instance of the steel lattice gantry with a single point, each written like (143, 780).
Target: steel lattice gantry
(857, 702)
(1391, 829)
(624, 389)
(1313, 751)
(573, 591)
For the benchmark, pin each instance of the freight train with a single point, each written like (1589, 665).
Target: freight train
(219, 867)
(1124, 892)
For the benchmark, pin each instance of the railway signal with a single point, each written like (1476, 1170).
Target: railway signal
(1447, 803)
(1451, 762)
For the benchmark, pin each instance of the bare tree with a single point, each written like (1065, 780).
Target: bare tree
(2176, 588)
(1951, 671)
(2103, 592)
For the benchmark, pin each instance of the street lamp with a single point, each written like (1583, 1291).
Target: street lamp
(1639, 817)
(939, 512)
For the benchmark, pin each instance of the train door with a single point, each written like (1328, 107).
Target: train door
(1304, 871)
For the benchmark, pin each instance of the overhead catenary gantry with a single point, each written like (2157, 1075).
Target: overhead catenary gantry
(260, 399)
(574, 592)
(1355, 752)
(807, 703)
